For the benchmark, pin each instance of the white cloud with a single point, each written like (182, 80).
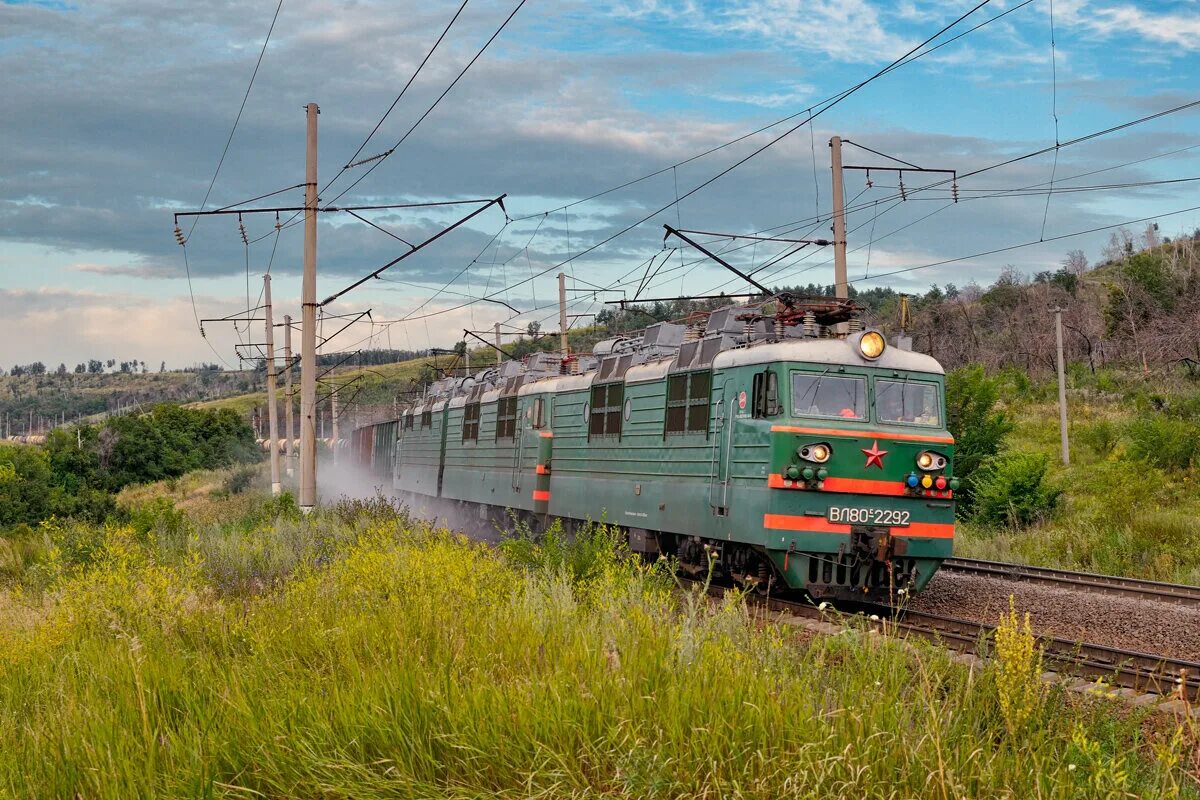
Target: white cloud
(793, 98)
(849, 30)
(1181, 30)
(130, 271)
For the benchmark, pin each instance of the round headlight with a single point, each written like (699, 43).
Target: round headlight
(929, 461)
(871, 344)
(818, 453)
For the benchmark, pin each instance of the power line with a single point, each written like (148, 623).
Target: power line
(1034, 242)
(765, 146)
(350, 161)
(435, 103)
(898, 198)
(220, 161)
(1053, 113)
(909, 56)
(238, 118)
(835, 97)
(871, 204)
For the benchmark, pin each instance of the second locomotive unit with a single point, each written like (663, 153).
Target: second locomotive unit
(770, 447)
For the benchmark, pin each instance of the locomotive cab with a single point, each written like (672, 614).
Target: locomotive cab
(861, 484)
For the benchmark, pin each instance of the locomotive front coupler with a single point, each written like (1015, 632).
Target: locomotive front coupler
(875, 544)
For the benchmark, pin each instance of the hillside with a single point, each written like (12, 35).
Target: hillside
(371, 391)
(50, 396)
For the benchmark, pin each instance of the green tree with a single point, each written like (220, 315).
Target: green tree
(25, 482)
(976, 424)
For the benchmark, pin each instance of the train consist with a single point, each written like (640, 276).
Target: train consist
(770, 447)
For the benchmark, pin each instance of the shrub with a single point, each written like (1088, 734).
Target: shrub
(239, 480)
(1184, 407)
(585, 555)
(1108, 381)
(1015, 383)
(978, 428)
(1170, 444)
(1012, 490)
(1101, 437)
(1018, 671)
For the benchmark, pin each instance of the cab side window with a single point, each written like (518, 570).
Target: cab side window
(766, 394)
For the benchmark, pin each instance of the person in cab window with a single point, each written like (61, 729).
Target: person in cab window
(889, 403)
(929, 408)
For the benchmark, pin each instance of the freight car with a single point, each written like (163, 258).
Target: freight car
(770, 447)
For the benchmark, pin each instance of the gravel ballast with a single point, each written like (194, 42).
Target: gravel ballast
(1123, 622)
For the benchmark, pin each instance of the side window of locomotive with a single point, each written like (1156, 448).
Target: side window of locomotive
(908, 402)
(427, 418)
(470, 431)
(539, 413)
(766, 394)
(605, 416)
(688, 397)
(817, 394)
(506, 418)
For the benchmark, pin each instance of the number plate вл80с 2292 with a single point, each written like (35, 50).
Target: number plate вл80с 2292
(868, 516)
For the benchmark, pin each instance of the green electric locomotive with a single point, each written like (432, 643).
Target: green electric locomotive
(774, 449)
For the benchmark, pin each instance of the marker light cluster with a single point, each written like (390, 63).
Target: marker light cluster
(929, 482)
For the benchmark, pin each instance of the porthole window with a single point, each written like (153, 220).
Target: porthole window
(627, 411)
(587, 412)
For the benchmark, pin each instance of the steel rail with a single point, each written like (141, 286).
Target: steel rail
(1177, 593)
(1128, 669)
(1169, 678)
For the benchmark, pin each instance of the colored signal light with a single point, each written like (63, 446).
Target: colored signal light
(911, 481)
(808, 473)
(954, 484)
(822, 474)
(940, 483)
(927, 482)
(872, 344)
(793, 473)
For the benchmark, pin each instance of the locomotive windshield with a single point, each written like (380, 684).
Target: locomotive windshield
(821, 395)
(907, 402)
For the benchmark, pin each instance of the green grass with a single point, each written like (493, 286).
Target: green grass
(356, 653)
(1128, 507)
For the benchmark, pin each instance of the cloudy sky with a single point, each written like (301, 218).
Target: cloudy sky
(116, 111)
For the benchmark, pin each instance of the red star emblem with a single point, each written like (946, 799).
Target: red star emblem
(875, 455)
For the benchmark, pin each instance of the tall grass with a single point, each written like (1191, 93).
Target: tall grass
(379, 657)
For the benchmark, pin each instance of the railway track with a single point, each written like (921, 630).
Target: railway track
(1125, 669)
(1177, 593)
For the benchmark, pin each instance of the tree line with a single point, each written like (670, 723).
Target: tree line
(78, 471)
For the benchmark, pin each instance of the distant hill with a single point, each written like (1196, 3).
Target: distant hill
(371, 393)
(89, 396)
